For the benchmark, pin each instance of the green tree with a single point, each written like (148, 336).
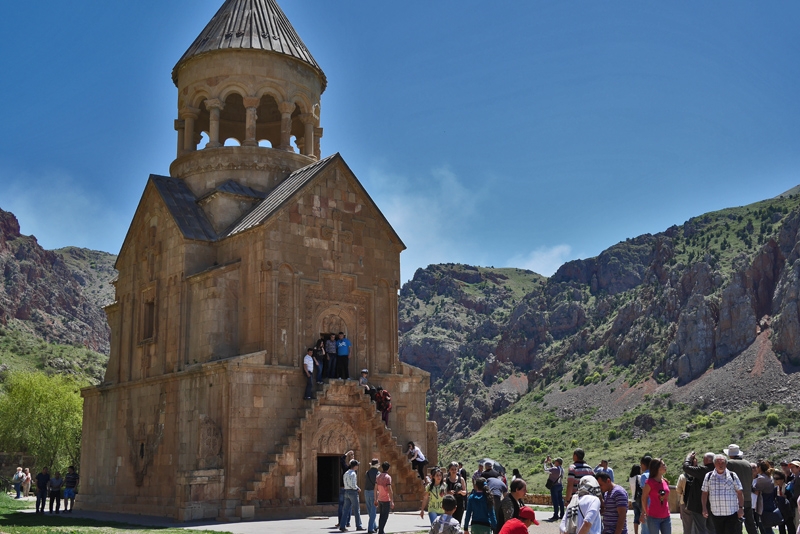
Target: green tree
(42, 415)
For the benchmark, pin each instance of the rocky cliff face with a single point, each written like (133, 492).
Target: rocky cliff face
(675, 305)
(58, 295)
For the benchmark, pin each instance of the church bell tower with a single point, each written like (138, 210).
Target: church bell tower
(248, 101)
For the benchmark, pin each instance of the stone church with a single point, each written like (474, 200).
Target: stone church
(251, 249)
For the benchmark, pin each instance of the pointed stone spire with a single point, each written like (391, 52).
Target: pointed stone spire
(254, 25)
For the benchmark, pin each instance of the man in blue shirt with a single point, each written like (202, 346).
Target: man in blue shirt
(343, 357)
(602, 467)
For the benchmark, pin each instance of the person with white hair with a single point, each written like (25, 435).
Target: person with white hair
(723, 499)
(694, 504)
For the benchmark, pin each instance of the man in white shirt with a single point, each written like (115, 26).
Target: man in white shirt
(308, 369)
(351, 490)
(723, 497)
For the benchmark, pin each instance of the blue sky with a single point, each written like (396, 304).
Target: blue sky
(492, 133)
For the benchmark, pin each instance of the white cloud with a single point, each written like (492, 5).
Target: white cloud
(429, 214)
(543, 260)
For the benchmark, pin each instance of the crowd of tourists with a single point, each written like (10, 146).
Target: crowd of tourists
(716, 494)
(53, 487)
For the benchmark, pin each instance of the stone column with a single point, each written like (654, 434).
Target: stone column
(251, 104)
(317, 137)
(286, 109)
(189, 115)
(214, 106)
(310, 121)
(179, 126)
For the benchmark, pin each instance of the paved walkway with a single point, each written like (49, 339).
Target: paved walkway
(401, 522)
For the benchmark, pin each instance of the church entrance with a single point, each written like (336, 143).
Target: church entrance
(328, 479)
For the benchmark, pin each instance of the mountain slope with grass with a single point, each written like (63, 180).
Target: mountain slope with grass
(51, 316)
(707, 312)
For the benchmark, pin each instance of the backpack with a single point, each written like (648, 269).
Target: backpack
(572, 516)
(445, 526)
(16, 478)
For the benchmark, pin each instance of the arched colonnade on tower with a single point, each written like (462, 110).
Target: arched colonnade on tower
(248, 115)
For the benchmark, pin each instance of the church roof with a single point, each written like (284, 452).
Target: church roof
(254, 25)
(276, 198)
(182, 204)
(234, 188)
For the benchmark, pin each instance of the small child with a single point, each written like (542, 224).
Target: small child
(364, 380)
(446, 523)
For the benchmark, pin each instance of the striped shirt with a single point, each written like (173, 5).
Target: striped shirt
(616, 498)
(576, 472)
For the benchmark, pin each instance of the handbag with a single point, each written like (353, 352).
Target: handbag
(550, 483)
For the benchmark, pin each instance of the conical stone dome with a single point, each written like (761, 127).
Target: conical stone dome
(254, 25)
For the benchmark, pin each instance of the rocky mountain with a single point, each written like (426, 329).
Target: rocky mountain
(672, 308)
(57, 295)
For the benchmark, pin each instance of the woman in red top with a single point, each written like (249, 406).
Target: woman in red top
(656, 489)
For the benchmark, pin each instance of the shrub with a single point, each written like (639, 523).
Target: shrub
(772, 419)
(612, 434)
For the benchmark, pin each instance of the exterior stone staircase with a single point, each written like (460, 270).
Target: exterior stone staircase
(270, 479)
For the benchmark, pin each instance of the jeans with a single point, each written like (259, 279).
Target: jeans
(341, 508)
(384, 508)
(41, 499)
(55, 496)
(557, 496)
(369, 497)
(351, 507)
(17, 487)
(727, 524)
(322, 370)
(331, 365)
(432, 516)
(656, 525)
(309, 385)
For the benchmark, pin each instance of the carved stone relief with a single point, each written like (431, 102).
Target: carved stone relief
(209, 454)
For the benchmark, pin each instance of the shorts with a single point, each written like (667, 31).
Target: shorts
(69, 493)
(637, 512)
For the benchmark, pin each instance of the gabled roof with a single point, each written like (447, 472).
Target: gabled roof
(182, 204)
(285, 190)
(253, 25)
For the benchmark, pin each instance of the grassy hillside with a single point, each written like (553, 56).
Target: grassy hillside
(22, 351)
(522, 437)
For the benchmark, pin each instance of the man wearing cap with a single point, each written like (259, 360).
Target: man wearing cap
(745, 473)
(723, 499)
(615, 505)
(351, 490)
(519, 525)
(371, 477)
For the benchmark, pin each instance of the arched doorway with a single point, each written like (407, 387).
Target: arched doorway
(334, 320)
(332, 441)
